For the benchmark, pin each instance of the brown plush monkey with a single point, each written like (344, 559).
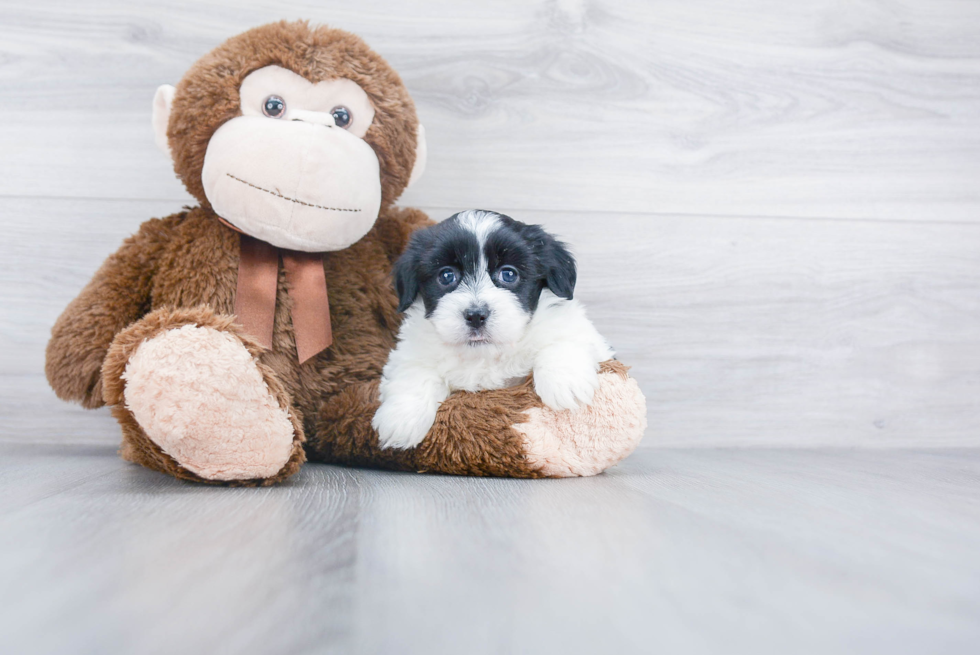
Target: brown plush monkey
(235, 339)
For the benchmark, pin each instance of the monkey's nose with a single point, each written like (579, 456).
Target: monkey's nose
(476, 317)
(315, 117)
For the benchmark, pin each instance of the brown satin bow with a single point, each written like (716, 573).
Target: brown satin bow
(258, 280)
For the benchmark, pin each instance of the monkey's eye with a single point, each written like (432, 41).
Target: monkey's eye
(342, 116)
(274, 107)
(446, 276)
(508, 275)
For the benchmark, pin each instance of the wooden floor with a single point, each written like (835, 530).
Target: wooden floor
(677, 550)
(776, 211)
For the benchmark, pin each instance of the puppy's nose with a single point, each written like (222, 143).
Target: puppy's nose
(476, 316)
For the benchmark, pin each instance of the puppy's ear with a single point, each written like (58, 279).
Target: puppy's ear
(406, 273)
(560, 266)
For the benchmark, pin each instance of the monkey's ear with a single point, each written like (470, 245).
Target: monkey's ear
(162, 102)
(421, 153)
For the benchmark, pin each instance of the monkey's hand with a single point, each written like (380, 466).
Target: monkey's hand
(118, 295)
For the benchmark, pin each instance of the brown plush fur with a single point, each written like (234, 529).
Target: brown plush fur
(472, 434)
(183, 269)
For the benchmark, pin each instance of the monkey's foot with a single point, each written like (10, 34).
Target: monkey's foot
(590, 439)
(198, 394)
(195, 402)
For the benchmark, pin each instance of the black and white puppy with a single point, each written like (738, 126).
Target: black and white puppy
(488, 300)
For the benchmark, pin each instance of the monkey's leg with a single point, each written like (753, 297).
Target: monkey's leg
(505, 432)
(194, 401)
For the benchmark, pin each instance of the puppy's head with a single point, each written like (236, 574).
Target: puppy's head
(479, 275)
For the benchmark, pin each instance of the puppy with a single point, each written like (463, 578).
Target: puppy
(487, 300)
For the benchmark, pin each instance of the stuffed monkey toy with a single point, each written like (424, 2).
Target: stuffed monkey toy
(236, 339)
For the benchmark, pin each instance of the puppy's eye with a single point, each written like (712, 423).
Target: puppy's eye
(274, 107)
(508, 275)
(446, 276)
(342, 116)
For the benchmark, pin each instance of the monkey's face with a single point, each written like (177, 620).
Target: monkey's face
(294, 169)
(295, 135)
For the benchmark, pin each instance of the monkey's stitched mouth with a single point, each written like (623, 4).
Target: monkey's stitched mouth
(298, 202)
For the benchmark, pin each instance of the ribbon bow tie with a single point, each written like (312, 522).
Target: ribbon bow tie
(258, 280)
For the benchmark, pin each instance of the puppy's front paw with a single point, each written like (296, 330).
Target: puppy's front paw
(565, 388)
(402, 422)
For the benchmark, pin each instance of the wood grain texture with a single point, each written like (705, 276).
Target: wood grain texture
(740, 331)
(693, 154)
(759, 108)
(694, 551)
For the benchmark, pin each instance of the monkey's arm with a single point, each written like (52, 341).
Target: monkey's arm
(117, 295)
(509, 433)
(473, 434)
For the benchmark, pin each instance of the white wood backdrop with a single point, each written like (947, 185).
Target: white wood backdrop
(776, 205)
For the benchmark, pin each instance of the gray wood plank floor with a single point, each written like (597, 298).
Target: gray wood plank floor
(776, 211)
(694, 551)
